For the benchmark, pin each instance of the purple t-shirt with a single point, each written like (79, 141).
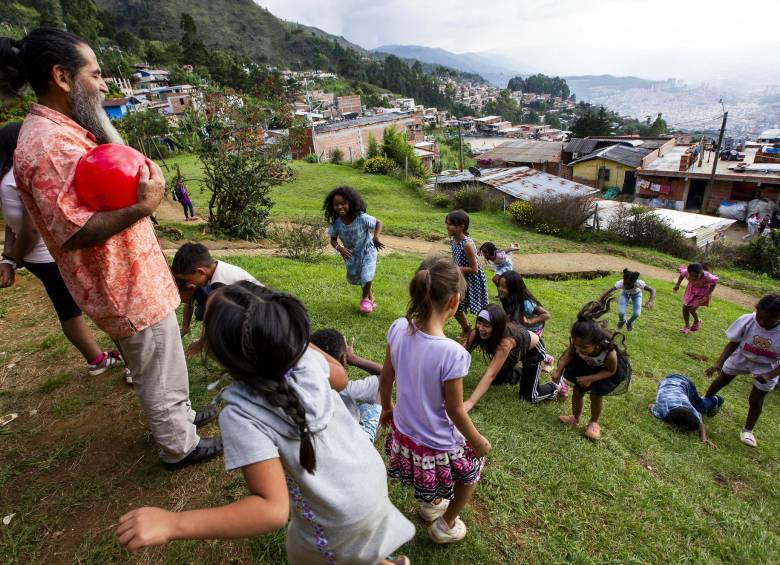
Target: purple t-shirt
(422, 363)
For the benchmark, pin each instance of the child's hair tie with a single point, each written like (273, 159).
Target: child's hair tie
(484, 315)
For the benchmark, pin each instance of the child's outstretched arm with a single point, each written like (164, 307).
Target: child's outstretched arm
(677, 284)
(563, 362)
(386, 380)
(377, 232)
(703, 436)
(370, 367)
(511, 249)
(453, 403)
(607, 293)
(610, 368)
(265, 510)
(730, 348)
(649, 303)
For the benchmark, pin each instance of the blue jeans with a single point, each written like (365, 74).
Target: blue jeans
(636, 302)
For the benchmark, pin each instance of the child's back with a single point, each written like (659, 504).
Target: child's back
(343, 508)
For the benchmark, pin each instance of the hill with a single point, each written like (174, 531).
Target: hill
(585, 87)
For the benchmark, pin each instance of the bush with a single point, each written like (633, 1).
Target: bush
(522, 212)
(373, 146)
(416, 182)
(638, 227)
(470, 199)
(564, 212)
(311, 158)
(301, 241)
(378, 166)
(358, 163)
(336, 156)
(441, 201)
(763, 254)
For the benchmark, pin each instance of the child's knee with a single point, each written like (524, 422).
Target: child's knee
(756, 399)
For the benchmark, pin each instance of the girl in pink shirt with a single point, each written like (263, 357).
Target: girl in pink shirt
(701, 284)
(433, 444)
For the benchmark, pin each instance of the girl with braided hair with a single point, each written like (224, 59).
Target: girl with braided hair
(299, 448)
(594, 364)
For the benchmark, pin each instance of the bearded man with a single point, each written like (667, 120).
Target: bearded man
(110, 261)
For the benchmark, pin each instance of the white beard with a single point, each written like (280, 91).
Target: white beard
(88, 112)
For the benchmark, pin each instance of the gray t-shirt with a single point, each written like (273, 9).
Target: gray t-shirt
(342, 512)
(360, 391)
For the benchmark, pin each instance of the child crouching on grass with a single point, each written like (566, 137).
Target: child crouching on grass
(753, 349)
(300, 451)
(360, 396)
(594, 364)
(499, 259)
(345, 212)
(678, 403)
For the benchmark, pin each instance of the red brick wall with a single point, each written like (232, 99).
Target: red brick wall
(677, 193)
(353, 141)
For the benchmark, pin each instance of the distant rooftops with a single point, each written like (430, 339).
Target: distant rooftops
(365, 121)
(628, 156)
(525, 151)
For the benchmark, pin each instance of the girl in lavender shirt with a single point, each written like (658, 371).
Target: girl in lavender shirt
(433, 444)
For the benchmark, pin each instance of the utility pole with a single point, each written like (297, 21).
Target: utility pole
(460, 137)
(711, 182)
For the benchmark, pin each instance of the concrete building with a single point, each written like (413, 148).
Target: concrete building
(613, 166)
(117, 108)
(540, 155)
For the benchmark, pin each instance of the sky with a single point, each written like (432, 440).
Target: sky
(657, 39)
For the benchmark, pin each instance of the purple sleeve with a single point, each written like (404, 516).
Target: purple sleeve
(456, 364)
(683, 272)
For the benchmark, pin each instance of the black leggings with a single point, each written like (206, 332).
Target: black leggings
(60, 296)
(528, 374)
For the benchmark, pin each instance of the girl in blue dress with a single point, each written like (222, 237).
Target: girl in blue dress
(345, 211)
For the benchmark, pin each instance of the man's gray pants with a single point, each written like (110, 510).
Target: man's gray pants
(155, 357)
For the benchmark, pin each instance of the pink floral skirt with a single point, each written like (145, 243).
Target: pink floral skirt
(431, 472)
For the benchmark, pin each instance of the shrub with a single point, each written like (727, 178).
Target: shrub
(470, 199)
(303, 240)
(311, 158)
(416, 182)
(378, 166)
(522, 212)
(336, 156)
(441, 201)
(763, 254)
(373, 146)
(567, 212)
(637, 227)
(358, 163)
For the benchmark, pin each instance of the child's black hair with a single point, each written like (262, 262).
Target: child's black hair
(590, 330)
(489, 248)
(458, 218)
(331, 341)
(698, 268)
(769, 304)
(630, 276)
(517, 293)
(189, 257)
(434, 282)
(502, 327)
(259, 335)
(683, 418)
(9, 135)
(353, 198)
(181, 284)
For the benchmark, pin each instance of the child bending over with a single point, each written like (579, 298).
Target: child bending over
(498, 258)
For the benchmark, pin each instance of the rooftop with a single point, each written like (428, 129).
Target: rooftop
(358, 122)
(525, 151)
(669, 165)
(628, 156)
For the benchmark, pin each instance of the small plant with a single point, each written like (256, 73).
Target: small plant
(416, 182)
(470, 199)
(303, 240)
(441, 201)
(640, 227)
(336, 156)
(764, 254)
(378, 166)
(358, 163)
(522, 212)
(311, 158)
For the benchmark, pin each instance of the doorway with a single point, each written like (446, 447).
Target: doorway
(696, 194)
(629, 183)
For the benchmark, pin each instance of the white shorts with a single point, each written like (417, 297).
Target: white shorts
(738, 364)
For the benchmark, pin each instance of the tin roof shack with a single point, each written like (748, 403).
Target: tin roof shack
(613, 166)
(513, 183)
(700, 229)
(541, 155)
(679, 179)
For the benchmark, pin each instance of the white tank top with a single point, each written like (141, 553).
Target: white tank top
(13, 208)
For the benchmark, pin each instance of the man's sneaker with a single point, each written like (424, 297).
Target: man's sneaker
(621, 323)
(715, 409)
(440, 531)
(103, 363)
(205, 415)
(748, 438)
(207, 448)
(431, 512)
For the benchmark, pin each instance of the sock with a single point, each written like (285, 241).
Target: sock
(99, 359)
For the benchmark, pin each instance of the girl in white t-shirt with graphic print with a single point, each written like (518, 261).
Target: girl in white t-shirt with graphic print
(630, 287)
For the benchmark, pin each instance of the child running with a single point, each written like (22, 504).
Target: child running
(678, 403)
(524, 308)
(516, 356)
(499, 259)
(594, 364)
(345, 212)
(464, 253)
(360, 396)
(300, 451)
(754, 349)
(433, 445)
(630, 287)
(701, 284)
(181, 196)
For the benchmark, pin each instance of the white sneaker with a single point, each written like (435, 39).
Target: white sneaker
(107, 362)
(431, 512)
(441, 533)
(128, 377)
(748, 438)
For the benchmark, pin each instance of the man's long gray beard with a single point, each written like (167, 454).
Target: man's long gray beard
(88, 112)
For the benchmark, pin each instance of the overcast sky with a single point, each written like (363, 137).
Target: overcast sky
(694, 40)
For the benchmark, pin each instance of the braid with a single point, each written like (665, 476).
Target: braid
(247, 346)
(284, 397)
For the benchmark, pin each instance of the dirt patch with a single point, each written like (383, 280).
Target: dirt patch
(697, 356)
(731, 482)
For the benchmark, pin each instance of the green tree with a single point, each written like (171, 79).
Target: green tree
(659, 126)
(505, 106)
(81, 17)
(193, 50)
(373, 146)
(552, 120)
(143, 129)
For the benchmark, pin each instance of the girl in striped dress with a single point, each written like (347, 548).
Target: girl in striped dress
(464, 253)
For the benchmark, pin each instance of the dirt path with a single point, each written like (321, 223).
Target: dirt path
(531, 264)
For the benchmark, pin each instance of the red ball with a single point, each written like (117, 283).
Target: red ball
(107, 177)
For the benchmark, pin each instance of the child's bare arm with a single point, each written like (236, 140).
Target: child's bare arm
(703, 435)
(649, 303)
(471, 256)
(453, 403)
(677, 284)
(542, 315)
(563, 362)
(337, 376)
(730, 348)
(610, 368)
(265, 510)
(607, 293)
(386, 380)
(186, 318)
(371, 367)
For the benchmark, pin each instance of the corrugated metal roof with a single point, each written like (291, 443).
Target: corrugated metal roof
(525, 151)
(365, 121)
(580, 145)
(628, 156)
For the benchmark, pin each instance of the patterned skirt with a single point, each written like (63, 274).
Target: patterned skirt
(431, 472)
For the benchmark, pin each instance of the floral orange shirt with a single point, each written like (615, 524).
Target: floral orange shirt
(124, 283)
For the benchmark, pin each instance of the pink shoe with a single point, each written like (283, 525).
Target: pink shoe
(696, 326)
(686, 330)
(366, 306)
(563, 389)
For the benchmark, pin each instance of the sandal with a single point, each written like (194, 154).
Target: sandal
(593, 431)
(686, 330)
(696, 326)
(569, 420)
